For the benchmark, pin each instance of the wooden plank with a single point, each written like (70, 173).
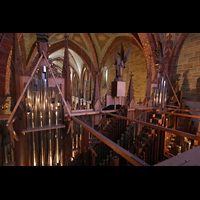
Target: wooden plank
(42, 128)
(124, 153)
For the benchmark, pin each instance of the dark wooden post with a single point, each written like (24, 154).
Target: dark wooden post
(84, 146)
(96, 102)
(131, 101)
(16, 72)
(66, 72)
(67, 140)
(149, 77)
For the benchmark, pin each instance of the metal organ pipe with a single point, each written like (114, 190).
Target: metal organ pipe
(43, 109)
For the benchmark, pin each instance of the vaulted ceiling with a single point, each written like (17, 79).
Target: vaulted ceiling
(94, 45)
(75, 61)
(93, 48)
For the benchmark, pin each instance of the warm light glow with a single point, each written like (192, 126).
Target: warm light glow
(106, 75)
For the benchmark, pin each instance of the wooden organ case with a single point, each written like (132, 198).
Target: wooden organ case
(35, 125)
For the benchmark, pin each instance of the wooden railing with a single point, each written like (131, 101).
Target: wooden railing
(124, 152)
(118, 149)
(177, 132)
(181, 114)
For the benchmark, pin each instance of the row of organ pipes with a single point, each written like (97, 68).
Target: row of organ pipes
(149, 144)
(43, 108)
(159, 93)
(42, 131)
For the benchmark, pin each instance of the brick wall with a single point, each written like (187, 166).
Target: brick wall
(8, 74)
(5, 56)
(136, 64)
(188, 68)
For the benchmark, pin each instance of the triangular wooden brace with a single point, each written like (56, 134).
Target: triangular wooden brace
(65, 103)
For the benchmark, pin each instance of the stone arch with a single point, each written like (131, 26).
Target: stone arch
(176, 52)
(92, 49)
(76, 49)
(83, 79)
(149, 45)
(6, 43)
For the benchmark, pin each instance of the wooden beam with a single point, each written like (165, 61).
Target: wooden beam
(69, 127)
(118, 149)
(83, 110)
(141, 108)
(93, 155)
(197, 111)
(44, 128)
(172, 88)
(22, 94)
(180, 114)
(139, 114)
(92, 150)
(101, 121)
(89, 112)
(75, 113)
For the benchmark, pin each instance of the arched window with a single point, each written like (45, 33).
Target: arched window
(104, 77)
(83, 85)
